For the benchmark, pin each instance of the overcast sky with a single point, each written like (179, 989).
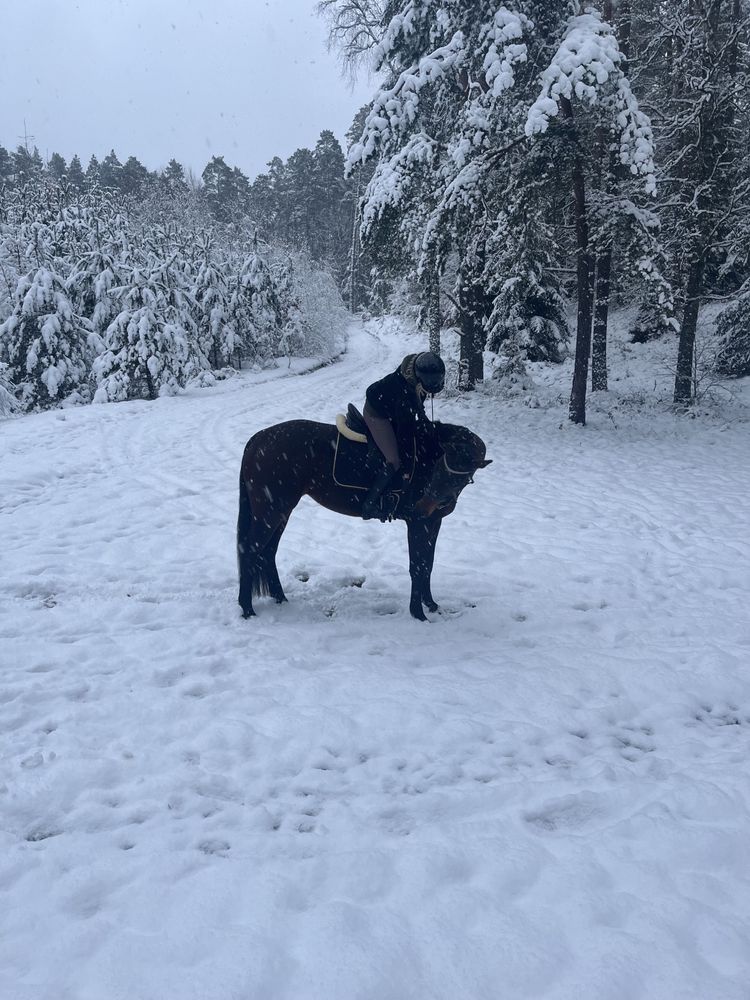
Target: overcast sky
(246, 79)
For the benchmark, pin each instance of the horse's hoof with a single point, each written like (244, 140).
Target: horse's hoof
(249, 614)
(418, 613)
(432, 607)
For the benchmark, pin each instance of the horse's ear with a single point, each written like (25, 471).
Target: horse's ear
(485, 463)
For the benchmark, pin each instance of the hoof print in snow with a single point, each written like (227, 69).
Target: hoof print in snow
(35, 836)
(568, 814)
(214, 846)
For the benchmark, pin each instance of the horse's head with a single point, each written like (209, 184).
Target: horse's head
(461, 454)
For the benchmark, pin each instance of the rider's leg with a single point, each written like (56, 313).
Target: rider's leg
(385, 438)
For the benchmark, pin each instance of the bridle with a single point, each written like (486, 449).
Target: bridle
(457, 472)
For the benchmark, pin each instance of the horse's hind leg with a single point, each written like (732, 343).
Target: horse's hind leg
(269, 557)
(259, 530)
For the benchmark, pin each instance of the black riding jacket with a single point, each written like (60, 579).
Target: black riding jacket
(396, 398)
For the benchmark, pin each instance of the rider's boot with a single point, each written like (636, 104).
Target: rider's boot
(371, 507)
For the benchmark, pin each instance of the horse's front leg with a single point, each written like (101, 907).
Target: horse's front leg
(422, 534)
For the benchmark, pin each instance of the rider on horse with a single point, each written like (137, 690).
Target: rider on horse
(395, 415)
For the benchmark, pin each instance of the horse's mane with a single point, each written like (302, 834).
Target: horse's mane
(459, 443)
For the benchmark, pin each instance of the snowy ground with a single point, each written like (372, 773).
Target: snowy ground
(543, 793)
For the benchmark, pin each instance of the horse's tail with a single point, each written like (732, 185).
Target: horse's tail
(254, 568)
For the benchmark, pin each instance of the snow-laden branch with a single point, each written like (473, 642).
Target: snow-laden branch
(506, 49)
(393, 177)
(394, 109)
(588, 61)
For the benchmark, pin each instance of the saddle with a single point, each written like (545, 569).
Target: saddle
(357, 459)
(353, 425)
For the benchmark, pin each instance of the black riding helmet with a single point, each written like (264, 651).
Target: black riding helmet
(430, 372)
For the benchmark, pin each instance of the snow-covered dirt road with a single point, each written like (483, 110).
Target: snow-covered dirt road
(543, 793)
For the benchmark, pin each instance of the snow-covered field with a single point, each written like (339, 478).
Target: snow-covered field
(543, 793)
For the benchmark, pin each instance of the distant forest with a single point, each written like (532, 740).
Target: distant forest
(518, 167)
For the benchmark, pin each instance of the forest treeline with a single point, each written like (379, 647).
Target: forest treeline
(516, 159)
(120, 283)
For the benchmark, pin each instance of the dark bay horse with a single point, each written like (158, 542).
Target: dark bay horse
(283, 463)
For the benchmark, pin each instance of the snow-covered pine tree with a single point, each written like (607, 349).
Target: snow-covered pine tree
(75, 174)
(8, 401)
(529, 310)
(312, 309)
(216, 332)
(254, 309)
(110, 172)
(92, 172)
(146, 348)
(294, 333)
(173, 177)
(45, 342)
(330, 213)
(733, 329)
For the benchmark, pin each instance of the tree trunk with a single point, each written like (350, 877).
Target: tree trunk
(476, 360)
(585, 290)
(684, 385)
(472, 333)
(601, 316)
(354, 253)
(434, 319)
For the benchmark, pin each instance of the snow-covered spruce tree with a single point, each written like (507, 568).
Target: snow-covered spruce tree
(501, 78)
(529, 309)
(8, 401)
(330, 206)
(45, 342)
(254, 310)
(100, 262)
(585, 88)
(523, 255)
(293, 327)
(733, 329)
(316, 317)
(656, 315)
(215, 329)
(146, 349)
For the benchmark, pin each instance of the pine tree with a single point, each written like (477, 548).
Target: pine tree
(75, 174)
(133, 176)
(27, 167)
(220, 189)
(56, 167)
(529, 310)
(93, 171)
(110, 172)
(174, 177)
(146, 347)
(213, 315)
(733, 329)
(8, 401)
(330, 212)
(254, 309)
(46, 344)
(6, 166)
